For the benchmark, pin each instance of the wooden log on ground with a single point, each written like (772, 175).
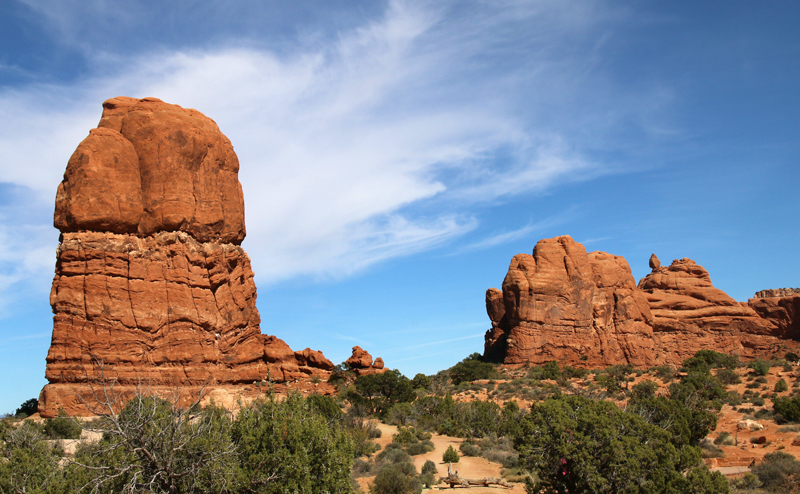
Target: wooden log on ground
(454, 479)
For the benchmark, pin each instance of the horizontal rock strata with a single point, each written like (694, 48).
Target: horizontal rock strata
(584, 309)
(151, 286)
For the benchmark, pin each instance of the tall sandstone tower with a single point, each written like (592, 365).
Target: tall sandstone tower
(152, 287)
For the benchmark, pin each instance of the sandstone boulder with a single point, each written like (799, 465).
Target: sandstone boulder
(361, 362)
(151, 286)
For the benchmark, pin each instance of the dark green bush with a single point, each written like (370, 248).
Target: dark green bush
(757, 401)
(644, 389)
(759, 367)
(576, 444)
(728, 376)
(450, 456)
(781, 386)
(421, 381)
(788, 408)
(28, 408)
(761, 379)
(396, 478)
(62, 427)
(471, 369)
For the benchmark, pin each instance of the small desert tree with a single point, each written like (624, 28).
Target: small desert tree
(152, 445)
(450, 455)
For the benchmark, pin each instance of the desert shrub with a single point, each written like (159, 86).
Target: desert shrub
(747, 482)
(400, 414)
(500, 450)
(569, 372)
(379, 392)
(549, 370)
(757, 401)
(576, 444)
(396, 478)
(470, 449)
(733, 398)
(778, 472)
(325, 406)
(429, 467)
(664, 372)
(419, 448)
(393, 453)
(788, 408)
(27, 408)
(421, 381)
(62, 427)
(759, 367)
(711, 360)
(644, 389)
(752, 385)
(450, 455)
(789, 428)
(28, 463)
(728, 376)
(710, 449)
(471, 369)
(761, 379)
(290, 446)
(791, 356)
(725, 439)
(153, 445)
(781, 386)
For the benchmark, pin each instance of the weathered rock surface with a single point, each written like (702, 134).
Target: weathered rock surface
(586, 310)
(564, 304)
(361, 362)
(690, 314)
(781, 307)
(151, 287)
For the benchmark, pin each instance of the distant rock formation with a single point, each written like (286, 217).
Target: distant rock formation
(690, 314)
(151, 286)
(781, 307)
(586, 310)
(564, 304)
(361, 363)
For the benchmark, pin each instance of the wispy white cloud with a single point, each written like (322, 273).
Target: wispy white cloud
(344, 143)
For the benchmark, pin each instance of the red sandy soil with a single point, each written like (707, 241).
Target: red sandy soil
(467, 467)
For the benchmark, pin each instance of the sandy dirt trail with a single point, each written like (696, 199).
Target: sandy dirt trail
(467, 467)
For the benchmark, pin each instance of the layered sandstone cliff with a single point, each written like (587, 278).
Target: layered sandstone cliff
(584, 309)
(690, 314)
(151, 286)
(781, 307)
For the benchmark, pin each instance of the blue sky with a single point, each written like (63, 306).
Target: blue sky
(396, 155)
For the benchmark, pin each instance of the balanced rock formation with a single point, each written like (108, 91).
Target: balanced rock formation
(361, 363)
(690, 314)
(586, 310)
(781, 307)
(564, 304)
(151, 286)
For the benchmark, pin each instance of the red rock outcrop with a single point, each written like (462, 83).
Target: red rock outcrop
(564, 304)
(586, 310)
(781, 307)
(151, 286)
(361, 363)
(690, 314)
